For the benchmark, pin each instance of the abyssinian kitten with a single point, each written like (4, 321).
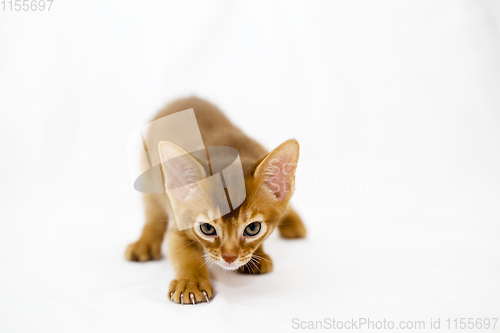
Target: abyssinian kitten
(233, 241)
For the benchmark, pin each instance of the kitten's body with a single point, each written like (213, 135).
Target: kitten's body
(265, 202)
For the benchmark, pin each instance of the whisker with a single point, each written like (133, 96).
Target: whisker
(248, 267)
(206, 261)
(256, 266)
(186, 245)
(262, 258)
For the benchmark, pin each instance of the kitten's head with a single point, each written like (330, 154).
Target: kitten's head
(229, 241)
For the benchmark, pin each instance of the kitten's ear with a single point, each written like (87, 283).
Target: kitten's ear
(179, 169)
(277, 170)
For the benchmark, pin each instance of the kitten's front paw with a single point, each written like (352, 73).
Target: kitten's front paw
(190, 291)
(259, 264)
(292, 226)
(144, 250)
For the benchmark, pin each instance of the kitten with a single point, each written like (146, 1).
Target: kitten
(233, 241)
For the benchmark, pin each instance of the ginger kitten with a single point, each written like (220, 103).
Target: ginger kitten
(233, 241)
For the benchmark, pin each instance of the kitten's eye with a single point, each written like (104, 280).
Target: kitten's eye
(252, 229)
(207, 229)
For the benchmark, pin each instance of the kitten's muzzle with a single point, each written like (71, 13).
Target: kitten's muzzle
(229, 258)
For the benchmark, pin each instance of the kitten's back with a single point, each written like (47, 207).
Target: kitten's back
(217, 130)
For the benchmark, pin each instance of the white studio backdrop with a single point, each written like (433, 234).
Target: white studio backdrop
(396, 106)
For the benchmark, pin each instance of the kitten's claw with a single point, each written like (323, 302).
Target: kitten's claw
(190, 291)
(205, 295)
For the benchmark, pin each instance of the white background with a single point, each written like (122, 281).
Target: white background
(396, 106)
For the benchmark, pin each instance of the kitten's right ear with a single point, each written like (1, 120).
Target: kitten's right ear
(277, 170)
(179, 169)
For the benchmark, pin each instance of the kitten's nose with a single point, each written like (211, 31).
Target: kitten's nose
(229, 258)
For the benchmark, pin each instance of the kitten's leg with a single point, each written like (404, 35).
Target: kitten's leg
(148, 247)
(260, 263)
(292, 226)
(192, 283)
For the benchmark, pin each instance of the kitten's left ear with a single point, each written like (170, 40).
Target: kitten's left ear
(277, 170)
(180, 170)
